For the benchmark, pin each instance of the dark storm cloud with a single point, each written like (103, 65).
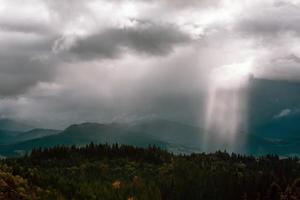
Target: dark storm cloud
(168, 90)
(26, 56)
(152, 65)
(19, 73)
(24, 62)
(110, 43)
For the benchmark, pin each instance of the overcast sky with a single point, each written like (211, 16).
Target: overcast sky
(70, 61)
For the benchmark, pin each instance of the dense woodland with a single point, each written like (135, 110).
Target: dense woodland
(126, 172)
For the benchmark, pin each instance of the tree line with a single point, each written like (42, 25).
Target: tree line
(102, 171)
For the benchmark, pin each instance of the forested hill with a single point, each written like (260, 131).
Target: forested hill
(127, 172)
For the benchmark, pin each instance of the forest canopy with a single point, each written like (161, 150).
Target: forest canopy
(126, 172)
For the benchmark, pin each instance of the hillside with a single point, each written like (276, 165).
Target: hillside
(7, 136)
(11, 137)
(172, 136)
(36, 133)
(170, 131)
(82, 134)
(126, 172)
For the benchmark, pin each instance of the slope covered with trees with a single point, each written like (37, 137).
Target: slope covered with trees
(127, 172)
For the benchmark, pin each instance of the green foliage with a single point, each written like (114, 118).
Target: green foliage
(127, 172)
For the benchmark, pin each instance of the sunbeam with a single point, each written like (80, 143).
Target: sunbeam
(227, 106)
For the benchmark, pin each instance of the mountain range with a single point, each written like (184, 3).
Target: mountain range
(274, 127)
(173, 136)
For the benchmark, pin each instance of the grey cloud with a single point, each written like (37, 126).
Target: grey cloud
(285, 57)
(294, 58)
(110, 43)
(269, 21)
(19, 73)
(273, 27)
(24, 62)
(170, 89)
(25, 27)
(282, 65)
(67, 9)
(180, 4)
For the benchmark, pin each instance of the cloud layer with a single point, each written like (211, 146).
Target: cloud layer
(113, 60)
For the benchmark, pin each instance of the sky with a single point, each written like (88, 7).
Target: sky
(69, 61)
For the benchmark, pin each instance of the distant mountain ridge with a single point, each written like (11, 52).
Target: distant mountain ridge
(36, 133)
(173, 136)
(80, 134)
(12, 131)
(173, 132)
(269, 131)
